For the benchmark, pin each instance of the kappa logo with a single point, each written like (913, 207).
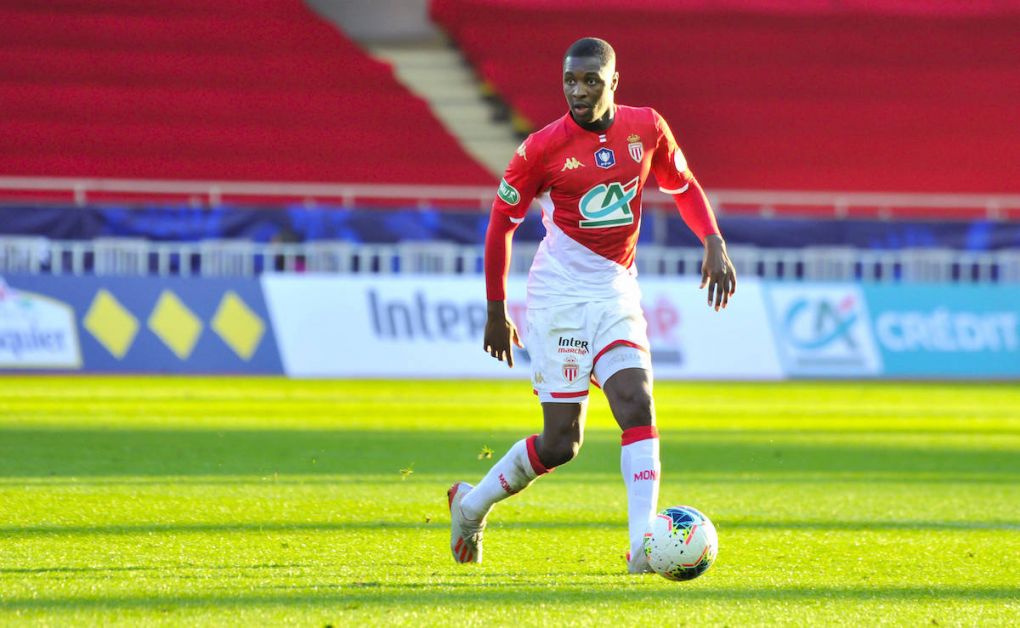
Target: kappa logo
(508, 193)
(605, 158)
(571, 164)
(522, 151)
(539, 379)
(608, 205)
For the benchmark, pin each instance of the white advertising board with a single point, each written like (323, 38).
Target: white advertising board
(431, 327)
(823, 330)
(692, 341)
(36, 331)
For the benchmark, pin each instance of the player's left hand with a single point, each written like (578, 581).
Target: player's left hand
(717, 273)
(500, 333)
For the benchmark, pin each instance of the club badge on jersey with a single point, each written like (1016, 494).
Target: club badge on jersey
(637, 150)
(605, 158)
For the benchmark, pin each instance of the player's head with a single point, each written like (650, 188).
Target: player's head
(589, 78)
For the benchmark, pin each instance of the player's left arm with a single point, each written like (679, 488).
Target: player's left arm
(676, 179)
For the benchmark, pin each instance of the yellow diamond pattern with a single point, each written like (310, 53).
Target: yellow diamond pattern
(175, 324)
(238, 325)
(111, 323)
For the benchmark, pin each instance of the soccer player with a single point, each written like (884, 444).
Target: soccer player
(587, 170)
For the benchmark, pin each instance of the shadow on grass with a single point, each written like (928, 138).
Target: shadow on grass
(327, 526)
(503, 595)
(97, 570)
(578, 477)
(30, 453)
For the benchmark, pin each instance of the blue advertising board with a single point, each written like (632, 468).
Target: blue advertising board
(896, 330)
(946, 330)
(135, 325)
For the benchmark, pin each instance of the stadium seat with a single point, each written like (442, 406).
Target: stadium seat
(866, 96)
(255, 90)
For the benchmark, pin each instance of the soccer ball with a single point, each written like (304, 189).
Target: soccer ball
(681, 544)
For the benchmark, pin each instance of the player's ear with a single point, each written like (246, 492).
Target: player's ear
(615, 81)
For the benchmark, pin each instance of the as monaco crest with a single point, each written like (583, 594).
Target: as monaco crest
(570, 368)
(637, 151)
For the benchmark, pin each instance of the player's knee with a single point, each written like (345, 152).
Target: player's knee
(559, 448)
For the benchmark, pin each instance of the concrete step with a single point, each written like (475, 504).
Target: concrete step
(419, 57)
(438, 74)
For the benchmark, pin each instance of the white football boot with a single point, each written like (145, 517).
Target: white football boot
(465, 534)
(638, 564)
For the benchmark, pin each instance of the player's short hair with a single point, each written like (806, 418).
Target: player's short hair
(592, 47)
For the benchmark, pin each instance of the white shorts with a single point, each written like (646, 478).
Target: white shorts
(572, 345)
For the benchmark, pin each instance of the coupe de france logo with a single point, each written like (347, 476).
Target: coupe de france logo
(608, 205)
(604, 158)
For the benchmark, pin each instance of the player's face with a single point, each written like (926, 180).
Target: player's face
(588, 86)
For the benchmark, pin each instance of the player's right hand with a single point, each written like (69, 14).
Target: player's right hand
(501, 334)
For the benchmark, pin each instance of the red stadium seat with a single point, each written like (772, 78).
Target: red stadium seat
(252, 90)
(764, 94)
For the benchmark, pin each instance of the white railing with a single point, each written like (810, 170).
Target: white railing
(239, 258)
(764, 202)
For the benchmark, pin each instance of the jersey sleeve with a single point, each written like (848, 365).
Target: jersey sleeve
(521, 181)
(696, 211)
(668, 163)
(498, 240)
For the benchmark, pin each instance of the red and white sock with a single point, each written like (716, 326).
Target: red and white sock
(509, 476)
(639, 463)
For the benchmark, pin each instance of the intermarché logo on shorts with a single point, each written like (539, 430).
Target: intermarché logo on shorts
(572, 345)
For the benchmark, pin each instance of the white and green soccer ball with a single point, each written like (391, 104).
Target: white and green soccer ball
(681, 544)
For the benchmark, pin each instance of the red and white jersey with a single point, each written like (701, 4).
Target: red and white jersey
(589, 185)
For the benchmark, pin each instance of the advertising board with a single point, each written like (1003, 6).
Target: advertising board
(135, 325)
(822, 330)
(432, 327)
(946, 330)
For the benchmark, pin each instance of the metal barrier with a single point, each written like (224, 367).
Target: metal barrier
(240, 258)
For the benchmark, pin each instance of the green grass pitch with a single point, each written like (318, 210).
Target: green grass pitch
(267, 501)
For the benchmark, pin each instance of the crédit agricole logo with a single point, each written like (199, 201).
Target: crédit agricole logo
(608, 205)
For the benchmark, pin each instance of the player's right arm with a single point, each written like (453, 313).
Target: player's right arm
(520, 184)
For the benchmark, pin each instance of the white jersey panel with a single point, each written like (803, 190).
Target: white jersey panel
(565, 271)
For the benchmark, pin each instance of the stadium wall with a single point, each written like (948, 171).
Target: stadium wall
(431, 327)
(298, 223)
